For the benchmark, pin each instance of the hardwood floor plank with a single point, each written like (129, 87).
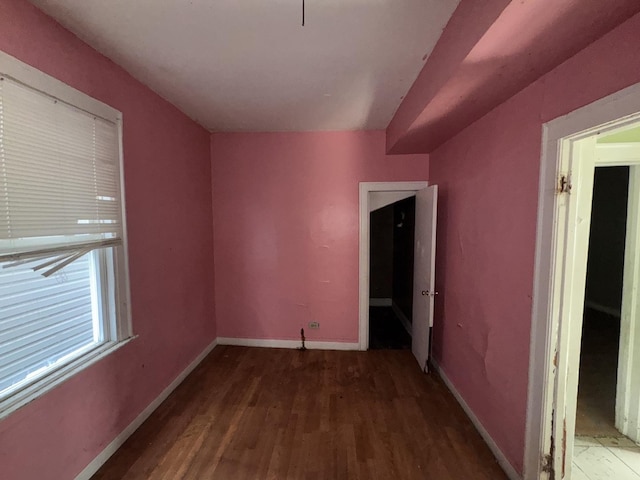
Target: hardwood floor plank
(629, 456)
(599, 463)
(250, 413)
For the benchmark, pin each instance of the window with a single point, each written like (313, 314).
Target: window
(63, 277)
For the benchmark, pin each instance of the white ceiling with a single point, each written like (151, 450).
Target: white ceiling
(249, 65)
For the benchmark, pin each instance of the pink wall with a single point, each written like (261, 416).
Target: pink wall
(168, 194)
(488, 179)
(285, 209)
(489, 51)
(466, 27)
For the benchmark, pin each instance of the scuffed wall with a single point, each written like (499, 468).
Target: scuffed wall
(488, 180)
(168, 202)
(285, 209)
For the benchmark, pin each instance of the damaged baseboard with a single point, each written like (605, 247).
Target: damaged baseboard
(292, 344)
(493, 446)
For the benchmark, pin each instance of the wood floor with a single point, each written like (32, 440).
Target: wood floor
(605, 458)
(596, 412)
(250, 413)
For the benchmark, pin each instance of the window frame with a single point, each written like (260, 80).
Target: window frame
(120, 325)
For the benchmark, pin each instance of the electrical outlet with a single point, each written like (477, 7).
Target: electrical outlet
(314, 325)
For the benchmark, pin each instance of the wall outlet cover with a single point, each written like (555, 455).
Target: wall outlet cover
(314, 325)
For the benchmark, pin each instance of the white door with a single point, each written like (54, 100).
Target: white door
(424, 273)
(628, 386)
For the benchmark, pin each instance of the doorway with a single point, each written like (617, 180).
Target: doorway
(601, 449)
(596, 408)
(570, 295)
(392, 229)
(374, 196)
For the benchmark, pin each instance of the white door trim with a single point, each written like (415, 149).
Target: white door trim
(627, 387)
(548, 375)
(365, 189)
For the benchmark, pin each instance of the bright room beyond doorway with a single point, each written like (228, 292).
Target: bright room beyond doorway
(601, 450)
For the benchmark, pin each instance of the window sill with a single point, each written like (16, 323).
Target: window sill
(29, 393)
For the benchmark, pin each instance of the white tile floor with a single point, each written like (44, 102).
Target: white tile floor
(605, 458)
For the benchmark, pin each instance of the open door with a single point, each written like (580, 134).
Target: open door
(628, 384)
(424, 273)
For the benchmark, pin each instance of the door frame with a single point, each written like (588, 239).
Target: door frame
(365, 243)
(627, 410)
(551, 406)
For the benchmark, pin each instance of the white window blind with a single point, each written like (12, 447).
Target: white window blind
(64, 291)
(59, 180)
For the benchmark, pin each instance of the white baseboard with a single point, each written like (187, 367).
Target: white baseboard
(293, 344)
(500, 457)
(380, 302)
(603, 308)
(117, 442)
(402, 317)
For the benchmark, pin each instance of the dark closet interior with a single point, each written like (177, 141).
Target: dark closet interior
(392, 231)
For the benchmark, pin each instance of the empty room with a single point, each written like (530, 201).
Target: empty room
(319, 239)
